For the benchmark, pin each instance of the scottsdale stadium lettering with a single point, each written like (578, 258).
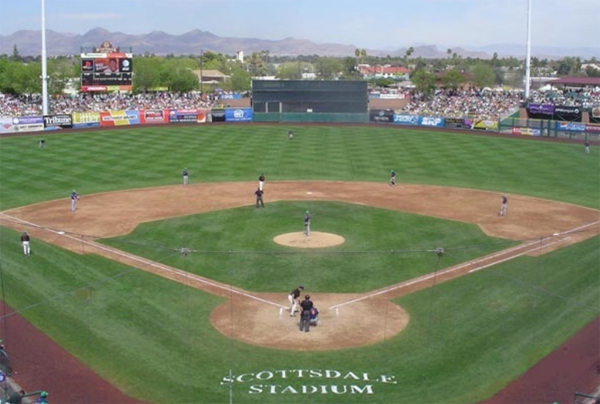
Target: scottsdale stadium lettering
(309, 381)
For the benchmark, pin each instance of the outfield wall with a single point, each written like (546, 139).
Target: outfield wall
(511, 125)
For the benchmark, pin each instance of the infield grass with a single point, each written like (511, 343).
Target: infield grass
(382, 247)
(152, 338)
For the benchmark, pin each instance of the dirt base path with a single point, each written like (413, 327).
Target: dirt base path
(260, 315)
(256, 315)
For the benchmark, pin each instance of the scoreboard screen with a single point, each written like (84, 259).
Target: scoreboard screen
(106, 72)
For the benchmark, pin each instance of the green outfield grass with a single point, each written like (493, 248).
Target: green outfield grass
(235, 246)
(152, 337)
(143, 157)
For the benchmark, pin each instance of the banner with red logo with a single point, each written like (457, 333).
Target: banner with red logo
(154, 116)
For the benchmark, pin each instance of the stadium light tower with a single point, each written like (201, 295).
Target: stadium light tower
(528, 56)
(44, 63)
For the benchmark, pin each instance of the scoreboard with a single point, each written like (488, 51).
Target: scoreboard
(106, 69)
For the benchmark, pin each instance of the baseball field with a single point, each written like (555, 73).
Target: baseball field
(177, 293)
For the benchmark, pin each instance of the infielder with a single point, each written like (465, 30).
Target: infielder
(503, 205)
(307, 224)
(25, 243)
(392, 178)
(185, 176)
(261, 182)
(74, 199)
(259, 199)
(294, 298)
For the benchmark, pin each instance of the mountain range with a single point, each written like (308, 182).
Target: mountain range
(28, 43)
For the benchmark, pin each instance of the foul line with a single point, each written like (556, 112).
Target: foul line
(454, 269)
(150, 263)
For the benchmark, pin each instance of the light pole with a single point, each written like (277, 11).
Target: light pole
(201, 69)
(44, 63)
(528, 60)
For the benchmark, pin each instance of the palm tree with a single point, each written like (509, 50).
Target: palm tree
(449, 52)
(409, 52)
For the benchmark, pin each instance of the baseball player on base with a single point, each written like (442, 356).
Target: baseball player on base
(294, 299)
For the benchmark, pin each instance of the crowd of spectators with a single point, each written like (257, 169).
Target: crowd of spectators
(585, 98)
(25, 105)
(471, 103)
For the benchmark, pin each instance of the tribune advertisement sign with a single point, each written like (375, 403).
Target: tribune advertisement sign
(58, 121)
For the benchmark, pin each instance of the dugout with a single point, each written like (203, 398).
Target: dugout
(310, 101)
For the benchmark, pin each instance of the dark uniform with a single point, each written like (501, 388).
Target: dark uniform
(393, 178)
(259, 193)
(307, 306)
(293, 299)
(503, 206)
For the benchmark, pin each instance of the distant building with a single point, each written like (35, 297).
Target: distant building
(210, 76)
(398, 73)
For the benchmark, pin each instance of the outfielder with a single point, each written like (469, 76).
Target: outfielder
(259, 198)
(25, 243)
(74, 199)
(294, 298)
(393, 178)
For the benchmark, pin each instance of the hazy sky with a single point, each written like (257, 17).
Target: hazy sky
(372, 24)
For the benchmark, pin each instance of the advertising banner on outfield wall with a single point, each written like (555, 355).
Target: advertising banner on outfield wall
(6, 125)
(484, 124)
(570, 126)
(431, 121)
(58, 121)
(526, 131)
(217, 115)
(406, 119)
(567, 113)
(86, 119)
(457, 123)
(154, 116)
(183, 116)
(592, 128)
(202, 115)
(238, 115)
(381, 115)
(28, 123)
(540, 111)
(595, 114)
(119, 118)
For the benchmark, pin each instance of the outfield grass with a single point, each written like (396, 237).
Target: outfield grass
(236, 246)
(466, 339)
(143, 157)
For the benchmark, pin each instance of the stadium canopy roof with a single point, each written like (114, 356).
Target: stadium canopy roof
(578, 81)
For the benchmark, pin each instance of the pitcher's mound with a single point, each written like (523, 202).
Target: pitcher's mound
(315, 240)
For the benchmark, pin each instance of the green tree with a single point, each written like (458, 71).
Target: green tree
(592, 72)
(424, 82)
(328, 68)
(183, 80)
(239, 80)
(408, 54)
(147, 73)
(483, 75)
(453, 79)
(16, 56)
(289, 71)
